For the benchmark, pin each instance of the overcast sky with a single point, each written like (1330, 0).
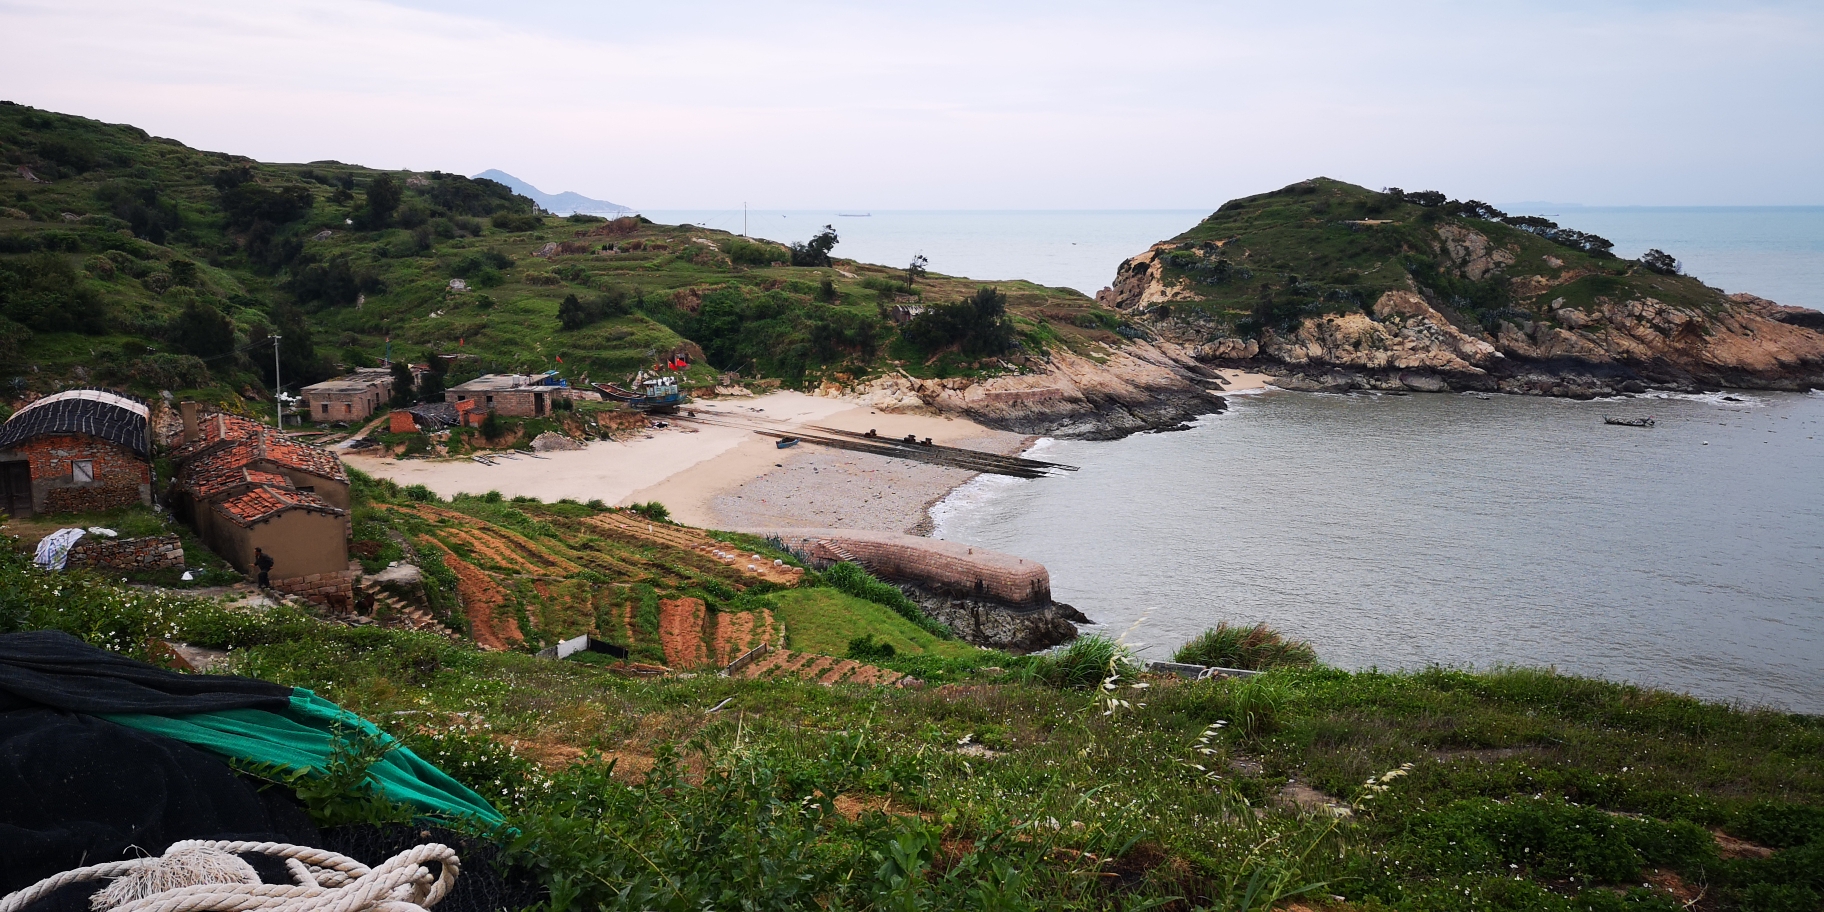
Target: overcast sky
(1042, 105)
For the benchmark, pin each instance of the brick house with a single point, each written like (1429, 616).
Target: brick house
(510, 395)
(77, 451)
(351, 397)
(243, 485)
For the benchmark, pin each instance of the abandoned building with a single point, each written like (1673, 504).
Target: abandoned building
(243, 485)
(77, 451)
(351, 397)
(509, 395)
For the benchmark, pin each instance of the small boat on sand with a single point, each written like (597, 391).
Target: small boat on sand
(1643, 422)
(784, 442)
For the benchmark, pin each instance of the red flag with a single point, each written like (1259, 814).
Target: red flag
(458, 343)
(560, 359)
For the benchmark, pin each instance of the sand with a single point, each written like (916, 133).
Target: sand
(731, 478)
(1240, 381)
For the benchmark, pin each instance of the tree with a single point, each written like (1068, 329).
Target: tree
(816, 251)
(404, 393)
(383, 196)
(1661, 262)
(574, 313)
(977, 325)
(203, 331)
(431, 387)
(916, 270)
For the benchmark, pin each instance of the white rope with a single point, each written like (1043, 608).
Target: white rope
(205, 876)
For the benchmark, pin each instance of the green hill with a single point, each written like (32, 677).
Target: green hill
(141, 263)
(1324, 246)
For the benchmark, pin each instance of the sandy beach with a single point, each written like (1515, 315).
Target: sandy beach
(724, 477)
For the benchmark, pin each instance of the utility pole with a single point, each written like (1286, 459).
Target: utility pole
(744, 218)
(278, 388)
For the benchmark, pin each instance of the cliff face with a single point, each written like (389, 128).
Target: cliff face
(1423, 301)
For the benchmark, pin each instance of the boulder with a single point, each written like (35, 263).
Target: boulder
(551, 441)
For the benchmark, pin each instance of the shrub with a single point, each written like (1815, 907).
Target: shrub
(867, 649)
(1085, 663)
(652, 510)
(1660, 261)
(1252, 648)
(749, 253)
(977, 326)
(492, 427)
(515, 221)
(816, 251)
(420, 493)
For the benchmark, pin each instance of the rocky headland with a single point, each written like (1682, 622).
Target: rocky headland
(1333, 287)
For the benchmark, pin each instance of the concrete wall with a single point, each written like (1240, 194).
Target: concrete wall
(326, 407)
(121, 478)
(941, 566)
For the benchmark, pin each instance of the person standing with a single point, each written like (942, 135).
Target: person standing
(263, 562)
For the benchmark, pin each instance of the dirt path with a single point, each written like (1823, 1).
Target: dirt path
(681, 632)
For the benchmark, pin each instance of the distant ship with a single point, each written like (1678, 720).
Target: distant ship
(854, 215)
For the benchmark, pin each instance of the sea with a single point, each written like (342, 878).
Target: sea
(1401, 532)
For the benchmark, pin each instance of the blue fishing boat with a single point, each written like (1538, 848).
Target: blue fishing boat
(658, 394)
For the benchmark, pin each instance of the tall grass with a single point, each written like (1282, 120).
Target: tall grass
(1255, 648)
(1085, 663)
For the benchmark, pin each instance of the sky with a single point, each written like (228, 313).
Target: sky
(969, 105)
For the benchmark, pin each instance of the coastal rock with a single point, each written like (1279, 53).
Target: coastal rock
(987, 623)
(1472, 253)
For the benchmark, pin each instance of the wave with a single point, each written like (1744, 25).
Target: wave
(1725, 398)
(978, 492)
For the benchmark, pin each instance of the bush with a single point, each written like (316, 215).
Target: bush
(1253, 648)
(867, 649)
(816, 251)
(515, 221)
(749, 253)
(652, 510)
(977, 326)
(1085, 663)
(1660, 261)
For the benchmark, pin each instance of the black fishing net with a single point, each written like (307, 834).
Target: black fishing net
(485, 883)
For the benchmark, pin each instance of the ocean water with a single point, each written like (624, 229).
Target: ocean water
(1059, 248)
(1400, 532)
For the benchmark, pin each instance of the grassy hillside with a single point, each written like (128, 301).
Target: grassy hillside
(1438, 790)
(1324, 246)
(138, 262)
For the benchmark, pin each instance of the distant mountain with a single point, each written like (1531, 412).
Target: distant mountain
(564, 203)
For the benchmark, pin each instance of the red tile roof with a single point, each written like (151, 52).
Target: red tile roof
(264, 501)
(228, 445)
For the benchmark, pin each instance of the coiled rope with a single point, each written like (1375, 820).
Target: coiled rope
(207, 876)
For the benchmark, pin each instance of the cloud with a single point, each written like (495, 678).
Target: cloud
(967, 106)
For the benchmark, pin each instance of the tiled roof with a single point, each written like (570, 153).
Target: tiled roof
(264, 501)
(229, 444)
(111, 416)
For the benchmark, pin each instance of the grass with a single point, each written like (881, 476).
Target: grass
(1251, 648)
(1526, 789)
(824, 620)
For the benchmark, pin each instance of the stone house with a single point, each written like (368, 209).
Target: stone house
(510, 395)
(351, 397)
(77, 451)
(243, 485)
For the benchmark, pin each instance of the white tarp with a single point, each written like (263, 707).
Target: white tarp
(54, 549)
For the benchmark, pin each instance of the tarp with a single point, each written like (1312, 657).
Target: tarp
(303, 737)
(239, 718)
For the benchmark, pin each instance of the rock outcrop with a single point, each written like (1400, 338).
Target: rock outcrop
(1406, 339)
(1139, 386)
(991, 624)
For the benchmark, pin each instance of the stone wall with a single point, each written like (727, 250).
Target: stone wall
(154, 552)
(120, 477)
(335, 590)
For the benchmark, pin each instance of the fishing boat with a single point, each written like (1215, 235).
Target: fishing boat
(784, 442)
(658, 394)
(1643, 422)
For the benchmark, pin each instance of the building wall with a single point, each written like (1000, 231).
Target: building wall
(336, 590)
(524, 402)
(121, 478)
(301, 542)
(326, 407)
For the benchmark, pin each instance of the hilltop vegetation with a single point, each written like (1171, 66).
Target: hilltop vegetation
(1323, 246)
(138, 262)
